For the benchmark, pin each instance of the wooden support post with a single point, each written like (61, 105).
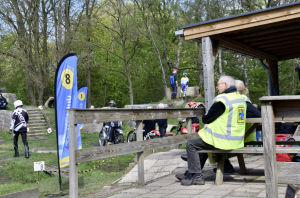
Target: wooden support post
(73, 167)
(268, 129)
(243, 169)
(140, 155)
(220, 168)
(208, 70)
(189, 125)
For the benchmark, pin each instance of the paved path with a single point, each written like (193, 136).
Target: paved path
(234, 186)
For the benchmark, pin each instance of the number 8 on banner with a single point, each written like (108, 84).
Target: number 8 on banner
(67, 77)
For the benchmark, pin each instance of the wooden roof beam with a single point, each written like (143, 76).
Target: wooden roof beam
(281, 47)
(243, 22)
(271, 36)
(277, 44)
(238, 32)
(276, 40)
(240, 47)
(289, 56)
(270, 31)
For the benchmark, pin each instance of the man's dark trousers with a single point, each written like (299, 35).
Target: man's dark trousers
(196, 161)
(162, 131)
(3, 107)
(174, 91)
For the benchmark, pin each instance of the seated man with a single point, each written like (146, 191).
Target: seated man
(3, 102)
(224, 131)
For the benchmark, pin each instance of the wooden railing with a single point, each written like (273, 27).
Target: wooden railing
(77, 116)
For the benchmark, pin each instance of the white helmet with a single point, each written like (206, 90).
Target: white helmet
(161, 105)
(18, 103)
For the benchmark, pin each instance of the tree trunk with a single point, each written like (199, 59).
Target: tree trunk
(201, 79)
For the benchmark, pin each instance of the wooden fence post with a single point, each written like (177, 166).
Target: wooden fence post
(140, 155)
(268, 129)
(189, 125)
(73, 167)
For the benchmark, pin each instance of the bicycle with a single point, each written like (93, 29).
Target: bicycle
(104, 136)
(150, 135)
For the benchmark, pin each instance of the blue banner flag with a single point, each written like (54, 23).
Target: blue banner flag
(65, 98)
(81, 104)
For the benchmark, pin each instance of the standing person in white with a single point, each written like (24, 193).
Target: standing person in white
(19, 126)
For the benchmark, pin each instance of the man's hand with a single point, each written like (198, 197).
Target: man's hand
(4, 104)
(10, 131)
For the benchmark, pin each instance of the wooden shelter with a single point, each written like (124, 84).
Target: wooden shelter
(272, 34)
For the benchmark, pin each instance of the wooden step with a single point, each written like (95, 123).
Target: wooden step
(35, 115)
(37, 124)
(38, 127)
(36, 121)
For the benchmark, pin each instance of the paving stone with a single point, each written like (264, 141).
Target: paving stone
(137, 191)
(166, 192)
(151, 195)
(245, 189)
(216, 193)
(222, 188)
(189, 192)
(206, 196)
(262, 194)
(179, 196)
(243, 194)
(120, 195)
(148, 187)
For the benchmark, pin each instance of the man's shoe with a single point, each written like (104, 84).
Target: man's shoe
(184, 157)
(182, 176)
(196, 179)
(26, 152)
(226, 170)
(16, 152)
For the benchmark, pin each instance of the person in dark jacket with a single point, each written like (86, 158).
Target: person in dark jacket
(162, 123)
(3, 102)
(19, 127)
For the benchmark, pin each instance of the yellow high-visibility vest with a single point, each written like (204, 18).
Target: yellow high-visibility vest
(228, 130)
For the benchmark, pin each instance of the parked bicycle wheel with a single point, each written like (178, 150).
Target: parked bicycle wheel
(102, 141)
(120, 139)
(131, 136)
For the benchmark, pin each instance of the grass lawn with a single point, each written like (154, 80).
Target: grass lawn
(18, 174)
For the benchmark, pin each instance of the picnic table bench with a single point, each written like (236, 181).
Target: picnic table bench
(273, 109)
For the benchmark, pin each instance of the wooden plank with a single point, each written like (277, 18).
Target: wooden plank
(272, 71)
(275, 40)
(220, 169)
(283, 45)
(288, 51)
(274, 98)
(241, 47)
(251, 129)
(189, 125)
(243, 22)
(278, 35)
(140, 155)
(276, 142)
(102, 152)
(110, 115)
(288, 173)
(268, 31)
(286, 103)
(208, 66)
(276, 44)
(252, 150)
(243, 169)
(289, 56)
(268, 130)
(73, 167)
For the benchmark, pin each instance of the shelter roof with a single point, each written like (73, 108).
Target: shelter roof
(272, 33)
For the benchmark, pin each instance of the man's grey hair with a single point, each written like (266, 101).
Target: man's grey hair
(228, 80)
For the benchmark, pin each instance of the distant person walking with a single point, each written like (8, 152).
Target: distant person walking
(184, 84)
(19, 125)
(3, 102)
(173, 84)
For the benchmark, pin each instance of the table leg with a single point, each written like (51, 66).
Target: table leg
(268, 129)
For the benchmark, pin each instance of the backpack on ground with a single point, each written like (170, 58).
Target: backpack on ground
(283, 157)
